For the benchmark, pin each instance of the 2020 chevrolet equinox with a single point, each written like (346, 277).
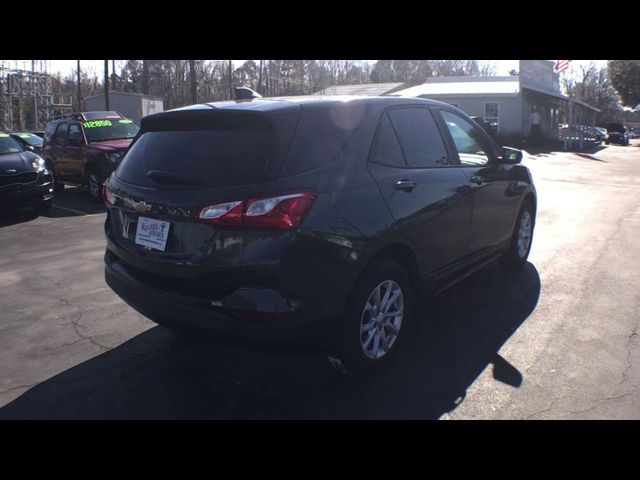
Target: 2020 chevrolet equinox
(311, 223)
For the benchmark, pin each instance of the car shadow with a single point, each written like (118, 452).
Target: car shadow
(17, 215)
(155, 375)
(587, 151)
(590, 157)
(74, 202)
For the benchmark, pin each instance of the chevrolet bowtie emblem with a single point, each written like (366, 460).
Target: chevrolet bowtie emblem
(137, 206)
(141, 207)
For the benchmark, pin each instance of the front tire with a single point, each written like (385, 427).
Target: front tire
(94, 184)
(58, 187)
(375, 320)
(520, 245)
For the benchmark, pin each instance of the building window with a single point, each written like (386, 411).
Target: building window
(492, 114)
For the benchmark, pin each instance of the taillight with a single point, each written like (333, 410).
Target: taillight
(107, 195)
(284, 212)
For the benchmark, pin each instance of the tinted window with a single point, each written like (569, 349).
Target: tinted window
(210, 157)
(467, 139)
(320, 135)
(419, 137)
(74, 136)
(387, 149)
(61, 134)
(50, 130)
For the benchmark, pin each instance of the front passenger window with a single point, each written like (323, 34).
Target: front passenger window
(467, 139)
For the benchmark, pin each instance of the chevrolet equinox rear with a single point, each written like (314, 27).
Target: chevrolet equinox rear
(310, 224)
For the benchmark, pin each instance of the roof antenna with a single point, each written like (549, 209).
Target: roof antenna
(245, 93)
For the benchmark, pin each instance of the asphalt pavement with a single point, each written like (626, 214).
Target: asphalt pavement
(557, 340)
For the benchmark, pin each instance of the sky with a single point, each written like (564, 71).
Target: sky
(66, 67)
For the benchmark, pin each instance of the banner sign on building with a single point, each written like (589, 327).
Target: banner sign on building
(539, 75)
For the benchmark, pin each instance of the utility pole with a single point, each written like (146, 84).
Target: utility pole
(230, 82)
(145, 77)
(79, 88)
(106, 84)
(113, 75)
(260, 79)
(34, 88)
(194, 81)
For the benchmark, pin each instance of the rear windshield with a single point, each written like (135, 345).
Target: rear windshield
(236, 149)
(112, 129)
(213, 158)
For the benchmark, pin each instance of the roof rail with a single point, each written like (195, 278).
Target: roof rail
(84, 116)
(70, 116)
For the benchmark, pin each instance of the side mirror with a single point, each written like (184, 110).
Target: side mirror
(511, 155)
(30, 148)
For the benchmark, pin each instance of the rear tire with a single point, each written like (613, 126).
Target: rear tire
(370, 337)
(520, 245)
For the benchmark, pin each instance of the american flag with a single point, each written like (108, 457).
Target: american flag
(561, 65)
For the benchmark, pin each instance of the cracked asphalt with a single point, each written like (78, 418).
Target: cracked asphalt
(558, 340)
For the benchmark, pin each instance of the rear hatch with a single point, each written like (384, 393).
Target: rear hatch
(183, 161)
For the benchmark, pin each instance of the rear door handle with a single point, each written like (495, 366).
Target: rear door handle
(406, 185)
(477, 179)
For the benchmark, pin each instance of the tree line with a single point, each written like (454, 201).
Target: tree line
(605, 88)
(170, 80)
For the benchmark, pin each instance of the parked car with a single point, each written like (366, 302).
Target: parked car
(633, 134)
(24, 179)
(84, 148)
(616, 133)
(29, 141)
(310, 224)
(600, 134)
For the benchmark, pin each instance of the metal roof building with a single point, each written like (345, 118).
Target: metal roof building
(364, 89)
(508, 102)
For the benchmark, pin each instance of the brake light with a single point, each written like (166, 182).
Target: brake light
(284, 212)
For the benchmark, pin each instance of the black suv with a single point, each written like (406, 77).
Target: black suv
(312, 223)
(84, 148)
(616, 133)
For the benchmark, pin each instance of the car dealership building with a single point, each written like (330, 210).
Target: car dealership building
(508, 103)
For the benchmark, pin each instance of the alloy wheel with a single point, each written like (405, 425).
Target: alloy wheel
(381, 319)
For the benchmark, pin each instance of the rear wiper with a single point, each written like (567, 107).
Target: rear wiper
(159, 176)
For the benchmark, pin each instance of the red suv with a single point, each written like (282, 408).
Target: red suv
(84, 148)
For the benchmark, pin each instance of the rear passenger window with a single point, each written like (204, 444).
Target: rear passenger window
(61, 134)
(387, 150)
(49, 132)
(419, 137)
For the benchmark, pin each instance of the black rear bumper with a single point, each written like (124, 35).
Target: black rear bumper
(220, 326)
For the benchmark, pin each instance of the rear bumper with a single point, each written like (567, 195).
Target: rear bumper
(219, 324)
